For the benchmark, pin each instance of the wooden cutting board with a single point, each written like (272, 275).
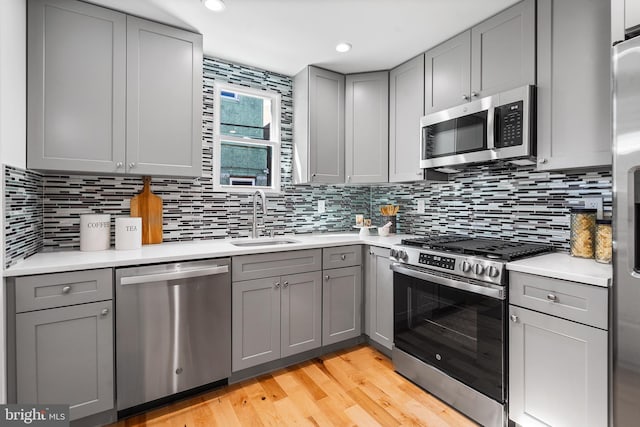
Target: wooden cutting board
(148, 206)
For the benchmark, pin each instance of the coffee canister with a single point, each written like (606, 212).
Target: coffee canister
(95, 232)
(128, 233)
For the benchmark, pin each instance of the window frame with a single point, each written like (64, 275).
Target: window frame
(274, 138)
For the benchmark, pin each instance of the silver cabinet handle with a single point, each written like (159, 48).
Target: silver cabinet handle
(119, 165)
(542, 161)
(104, 311)
(185, 274)
(552, 297)
(285, 284)
(313, 175)
(419, 173)
(343, 257)
(66, 289)
(474, 94)
(514, 318)
(277, 285)
(465, 97)
(349, 178)
(370, 252)
(132, 165)
(327, 277)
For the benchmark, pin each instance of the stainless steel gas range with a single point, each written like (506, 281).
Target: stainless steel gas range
(450, 305)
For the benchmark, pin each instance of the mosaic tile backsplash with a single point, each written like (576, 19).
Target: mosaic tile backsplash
(500, 201)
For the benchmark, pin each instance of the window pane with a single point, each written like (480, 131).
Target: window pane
(245, 164)
(245, 116)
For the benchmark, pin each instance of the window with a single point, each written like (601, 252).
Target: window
(246, 141)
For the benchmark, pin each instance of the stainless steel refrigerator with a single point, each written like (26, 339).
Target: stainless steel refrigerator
(625, 393)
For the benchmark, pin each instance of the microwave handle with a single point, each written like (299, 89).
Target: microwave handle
(492, 123)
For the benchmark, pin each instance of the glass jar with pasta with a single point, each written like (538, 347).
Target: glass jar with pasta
(604, 240)
(583, 229)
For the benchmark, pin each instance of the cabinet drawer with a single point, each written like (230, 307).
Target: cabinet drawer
(61, 289)
(341, 256)
(248, 267)
(570, 300)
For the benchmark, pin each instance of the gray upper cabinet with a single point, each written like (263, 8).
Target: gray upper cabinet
(77, 87)
(367, 127)
(110, 93)
(319, 97)
(447, 73)
(406, 106)
(573, 91)
(503, 50)
(496, 55)
(164, 100)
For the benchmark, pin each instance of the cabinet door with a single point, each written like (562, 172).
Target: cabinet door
(301, 308)
(341, 304)
(557, 371)
(65, 356)
(406, 107)
(367, 127)
(326, 126)
(447, 77)
(573, 91)
(164, 100)
(77, 87)
(503, 50)
(255, 325)
(379, 297)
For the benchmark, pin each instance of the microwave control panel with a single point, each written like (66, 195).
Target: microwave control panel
(509, 120)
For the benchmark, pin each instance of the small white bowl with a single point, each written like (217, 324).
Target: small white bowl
(383, 231)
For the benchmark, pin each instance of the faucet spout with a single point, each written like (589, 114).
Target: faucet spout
(254, 225)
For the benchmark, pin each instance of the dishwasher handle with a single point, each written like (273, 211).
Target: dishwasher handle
(174, 275)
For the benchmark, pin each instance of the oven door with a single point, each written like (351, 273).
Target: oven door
(455, 326)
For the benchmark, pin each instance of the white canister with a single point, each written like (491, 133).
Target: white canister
(128, 233)
(95, 232)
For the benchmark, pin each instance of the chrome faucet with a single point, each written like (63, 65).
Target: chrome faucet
(254, 225)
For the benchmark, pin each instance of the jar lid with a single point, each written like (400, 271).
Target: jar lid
(603, 221)
(583, 210)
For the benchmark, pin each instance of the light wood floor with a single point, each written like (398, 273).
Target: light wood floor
(355, 387)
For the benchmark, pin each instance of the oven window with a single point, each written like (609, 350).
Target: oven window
(459, 332)
(455, 136)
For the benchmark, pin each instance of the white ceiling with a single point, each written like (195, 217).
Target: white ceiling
(286, 35)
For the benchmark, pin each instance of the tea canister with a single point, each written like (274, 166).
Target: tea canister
(583, 229)
(128, 233)
(604, 241)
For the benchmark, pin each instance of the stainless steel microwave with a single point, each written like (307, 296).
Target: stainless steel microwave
(496, 127)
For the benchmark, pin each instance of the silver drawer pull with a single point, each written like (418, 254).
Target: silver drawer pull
(277, 285)
(343, 257)
(66, 289)
(514, 318)
(552, 297)
(104, 311)
(285, 284)
(327, 277)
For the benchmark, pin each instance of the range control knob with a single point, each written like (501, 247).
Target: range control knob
(394, 253)
(478, 269)
(465, 266)
(402, 255)
(493, 271)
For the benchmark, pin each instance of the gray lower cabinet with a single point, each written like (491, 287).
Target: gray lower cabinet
(573, 89)
(367, 127)
(110, 93)
(378, 284)
(64, 351)
(276, 316)
(319, 97)
(341, 304)
(406, 107)
(496, 55)
(558, 352)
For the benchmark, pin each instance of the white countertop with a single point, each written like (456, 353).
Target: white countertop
(560, 265)
(71, 260)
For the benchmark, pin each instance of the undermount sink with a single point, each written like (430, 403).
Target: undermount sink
(270, 242)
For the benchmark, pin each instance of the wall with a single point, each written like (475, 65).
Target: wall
(13, 90)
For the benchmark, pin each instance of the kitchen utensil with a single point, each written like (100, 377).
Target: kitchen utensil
(148, 206)
(95, 232)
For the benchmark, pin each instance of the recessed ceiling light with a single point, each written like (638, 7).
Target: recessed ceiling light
(343, 47)
(215, 5)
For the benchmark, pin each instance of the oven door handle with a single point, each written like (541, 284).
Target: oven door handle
(492, 291)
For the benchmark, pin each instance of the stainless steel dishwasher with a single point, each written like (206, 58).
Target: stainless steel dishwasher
(173, 329)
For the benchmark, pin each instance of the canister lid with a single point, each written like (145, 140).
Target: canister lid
(603, 221)
(583, 210)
